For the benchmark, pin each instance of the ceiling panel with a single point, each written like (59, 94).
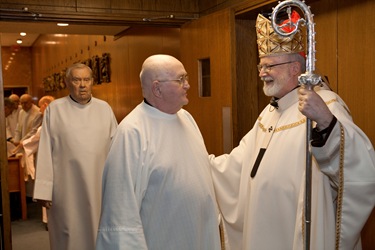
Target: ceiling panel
(10, 31)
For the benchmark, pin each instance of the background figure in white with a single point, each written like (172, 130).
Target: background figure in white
(12, 118)
(29, 119)
(29, 146)
(157, 187)
(74, 142)
(8, 109)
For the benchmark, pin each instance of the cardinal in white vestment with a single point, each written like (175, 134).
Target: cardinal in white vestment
(260, 185)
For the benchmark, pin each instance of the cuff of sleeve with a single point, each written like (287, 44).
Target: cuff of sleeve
(319, 138)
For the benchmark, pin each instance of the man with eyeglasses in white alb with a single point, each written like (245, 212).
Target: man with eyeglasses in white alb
(157, 187)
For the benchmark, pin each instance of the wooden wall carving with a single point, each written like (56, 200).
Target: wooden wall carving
(100, 67)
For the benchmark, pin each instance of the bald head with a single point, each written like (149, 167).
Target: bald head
(156, 67)
(44, 102)
(164, 83)
(15, 99)
(26, 102)
(47, 99)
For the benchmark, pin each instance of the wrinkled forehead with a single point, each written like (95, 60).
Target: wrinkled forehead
(80, 72)
(173, 68)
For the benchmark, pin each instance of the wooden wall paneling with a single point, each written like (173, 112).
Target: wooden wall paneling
(209, 37)
(67, 3)
(247, 103)
(124, 89)
(16, 71)
(35, 63)
(99, 11)
(128, 4)
(356, 53)
(325, 18)
(356, 75)
(210, 6)
(83, 5)
(37, 6)
(146, 5)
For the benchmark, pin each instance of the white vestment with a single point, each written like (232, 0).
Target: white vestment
(28, 123)
(30, 147)
(157, 186)
(267, 211)
(73, 145)
(11, 122)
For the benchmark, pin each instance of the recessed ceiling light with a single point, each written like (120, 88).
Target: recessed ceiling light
(23, 33)
(63, 24)
(19, 41)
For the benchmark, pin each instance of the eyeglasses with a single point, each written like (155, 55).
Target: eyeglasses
(77, 80)
(268, 67)
(182, 80)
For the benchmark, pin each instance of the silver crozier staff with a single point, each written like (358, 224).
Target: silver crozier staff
(309, 79)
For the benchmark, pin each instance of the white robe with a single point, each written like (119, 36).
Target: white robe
(30, 147)
(28, 123)
(73, 145)
(266, 212)
(157, 186)
(11, 122)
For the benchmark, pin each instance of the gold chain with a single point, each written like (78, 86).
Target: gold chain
(340, 192)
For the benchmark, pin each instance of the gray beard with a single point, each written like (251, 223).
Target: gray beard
(271, 91)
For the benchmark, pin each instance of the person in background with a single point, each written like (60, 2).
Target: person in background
(8, 109)
(74, 142)
(157, 187)
(12, 118)
(29, 119)
(29, 147)
(260, 184)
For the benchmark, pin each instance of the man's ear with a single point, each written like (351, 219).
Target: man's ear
(295, 67)
(156, 91)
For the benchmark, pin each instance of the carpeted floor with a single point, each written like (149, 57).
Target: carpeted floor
(31, 233)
